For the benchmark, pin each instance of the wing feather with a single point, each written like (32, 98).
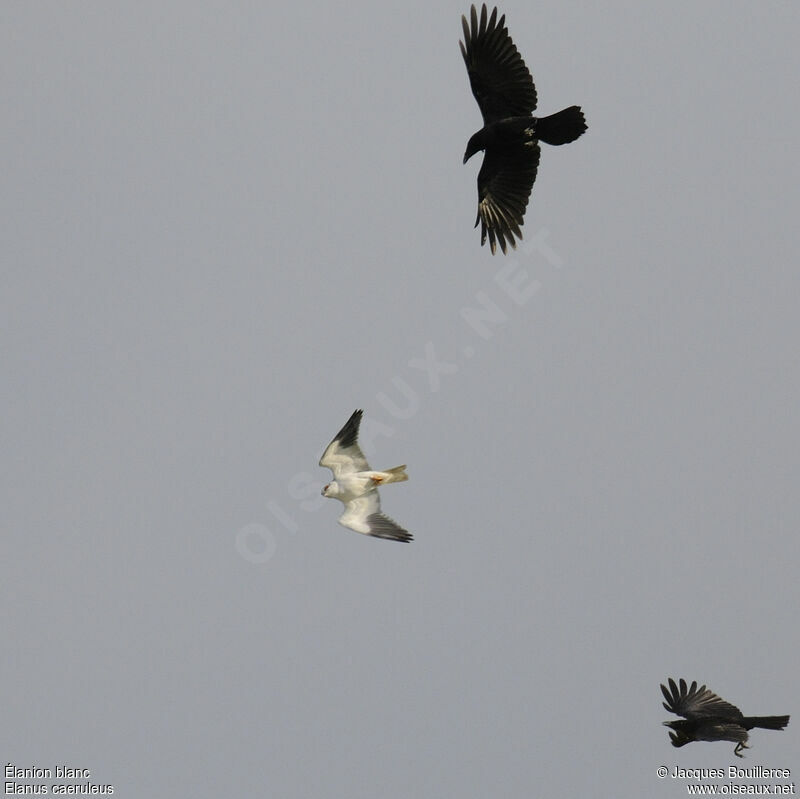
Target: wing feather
(504, 186)
(343, 455)
(363, 515)
(696, 703)
(500, 81)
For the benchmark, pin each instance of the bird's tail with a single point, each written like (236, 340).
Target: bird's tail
(396, 475)
(562, 127)
(766, 722)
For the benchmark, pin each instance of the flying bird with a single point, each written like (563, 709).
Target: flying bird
(709, 718)
(510, 136)
(356, 485)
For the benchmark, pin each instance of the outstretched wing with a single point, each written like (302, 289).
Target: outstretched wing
(343, 455)
(696, 703)
(364, 516)
(504, 186)
(500, 81)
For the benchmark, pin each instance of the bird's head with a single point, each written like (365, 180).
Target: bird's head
(474, 145)
(330, 490)
(678, 735)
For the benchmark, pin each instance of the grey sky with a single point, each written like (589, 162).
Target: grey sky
(225, 227)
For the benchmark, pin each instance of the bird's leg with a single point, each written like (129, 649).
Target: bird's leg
(741, 745)
(377, 479)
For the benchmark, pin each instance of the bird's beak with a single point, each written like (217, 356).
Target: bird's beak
(470, 151)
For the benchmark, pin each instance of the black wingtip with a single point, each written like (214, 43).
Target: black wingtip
(348, 435)
(402, 538)
(388, 529)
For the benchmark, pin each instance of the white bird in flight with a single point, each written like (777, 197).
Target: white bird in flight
(356, 485)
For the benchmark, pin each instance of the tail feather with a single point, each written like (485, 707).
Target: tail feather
(562, 127)
(396, 475)
(766, 722)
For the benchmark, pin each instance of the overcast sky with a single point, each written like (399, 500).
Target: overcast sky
(225, 227)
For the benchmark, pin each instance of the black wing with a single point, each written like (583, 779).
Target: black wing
(696, 703)
(504, 186)
(499, 78)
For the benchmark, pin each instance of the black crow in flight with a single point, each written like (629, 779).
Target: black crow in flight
(709, 718)
(510, 136)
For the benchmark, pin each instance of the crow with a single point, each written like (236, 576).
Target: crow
(510, 136)
(709, 718)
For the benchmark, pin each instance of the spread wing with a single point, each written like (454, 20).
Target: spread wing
(343, 455)
(363, 515)
(504, 186)
(500, 81)
(696, 703)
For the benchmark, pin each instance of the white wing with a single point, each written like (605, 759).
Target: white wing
(343, 455)
(364, 516)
